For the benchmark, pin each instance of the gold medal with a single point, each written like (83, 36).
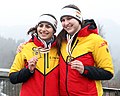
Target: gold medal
(69, 59)
(36, 52)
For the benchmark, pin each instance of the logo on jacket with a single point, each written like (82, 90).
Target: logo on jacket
(103, 44)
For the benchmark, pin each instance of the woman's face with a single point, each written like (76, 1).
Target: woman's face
(70, 24)
(45, 31)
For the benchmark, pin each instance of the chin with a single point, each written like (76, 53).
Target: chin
(71, 33)
(44, 38)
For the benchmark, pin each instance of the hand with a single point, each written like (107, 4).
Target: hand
(20, 47)
(78, 65)
(32, 63)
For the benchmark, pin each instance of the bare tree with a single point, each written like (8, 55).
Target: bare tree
(100, 30)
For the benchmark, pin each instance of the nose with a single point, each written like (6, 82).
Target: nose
(66, 22)
(43, 28)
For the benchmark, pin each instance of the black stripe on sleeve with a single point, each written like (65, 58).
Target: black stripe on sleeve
(20, 76)
(95, 73)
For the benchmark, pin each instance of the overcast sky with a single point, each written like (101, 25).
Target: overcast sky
(19, 12)
(26, 12)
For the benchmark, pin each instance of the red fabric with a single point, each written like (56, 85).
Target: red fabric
(41, 85)
(73, 82)
(38, 43)
(86, 31)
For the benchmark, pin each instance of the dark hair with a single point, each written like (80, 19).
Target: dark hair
(32, 30)
(61, 37)
(72, 6)
(50, 15)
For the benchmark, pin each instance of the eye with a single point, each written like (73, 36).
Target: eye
(48, 26)
(69, 18)
(62, 20)
(40, 25)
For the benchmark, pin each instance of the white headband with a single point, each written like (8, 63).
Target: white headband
(49, 19)
(68, 11)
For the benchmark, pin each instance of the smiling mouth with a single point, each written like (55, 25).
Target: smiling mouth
(68, 28)
(44, 34)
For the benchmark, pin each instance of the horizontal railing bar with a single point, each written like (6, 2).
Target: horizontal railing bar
(4, 70)
(111, 89)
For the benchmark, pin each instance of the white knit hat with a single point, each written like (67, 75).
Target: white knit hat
(50, 19)
(69, 11)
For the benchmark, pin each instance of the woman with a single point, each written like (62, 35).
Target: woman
(86, 60)
(36, 66)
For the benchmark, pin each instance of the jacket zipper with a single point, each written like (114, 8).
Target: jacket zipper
(67, 69)
(46, 65)
(44, 74)
(67, 79)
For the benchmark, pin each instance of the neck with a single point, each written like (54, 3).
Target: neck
(46, 43)
(50, 40)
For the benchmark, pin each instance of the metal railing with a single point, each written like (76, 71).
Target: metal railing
(8, 89)
(111, 91)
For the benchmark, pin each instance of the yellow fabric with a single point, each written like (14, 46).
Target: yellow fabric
(28, 53)
(98, 46)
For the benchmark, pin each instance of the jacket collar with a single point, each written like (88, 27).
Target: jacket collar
(88, 28)
(39, 43)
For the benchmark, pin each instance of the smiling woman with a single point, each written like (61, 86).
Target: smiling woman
(35, 62)
(16, 18)
(84, 62)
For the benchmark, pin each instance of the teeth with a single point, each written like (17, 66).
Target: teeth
(44, 32)
(67, 27)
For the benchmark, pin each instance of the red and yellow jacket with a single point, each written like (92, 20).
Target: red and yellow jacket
(92, 51)
(44, 81)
